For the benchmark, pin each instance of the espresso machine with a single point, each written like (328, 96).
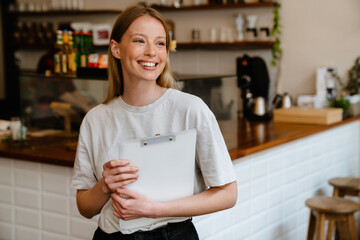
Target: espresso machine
(253, 80)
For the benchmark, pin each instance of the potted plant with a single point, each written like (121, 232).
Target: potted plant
(275, 33)
(340, 102)
(353, 86)
(349, 99)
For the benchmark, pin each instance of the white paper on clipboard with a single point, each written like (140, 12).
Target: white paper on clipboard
(166, 169)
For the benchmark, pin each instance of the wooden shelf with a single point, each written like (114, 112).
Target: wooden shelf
(214, 6)
(184, 46)
(101, 74)
(157, 7)
(85, 74)
(32, 47)
(49, 46)
(226, 45)
(65, 12)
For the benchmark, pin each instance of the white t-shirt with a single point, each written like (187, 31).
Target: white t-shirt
(106, 125)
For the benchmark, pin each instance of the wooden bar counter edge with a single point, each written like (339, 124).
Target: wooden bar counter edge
(255, 136)
(242, 137)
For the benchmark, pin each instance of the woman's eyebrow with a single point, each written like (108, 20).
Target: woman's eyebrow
(143, 35)
(138, 34)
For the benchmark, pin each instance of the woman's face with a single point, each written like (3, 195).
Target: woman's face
(142, 50)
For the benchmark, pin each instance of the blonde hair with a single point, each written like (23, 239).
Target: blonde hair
(122, 23)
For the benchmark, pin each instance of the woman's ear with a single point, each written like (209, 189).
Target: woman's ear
(114, 46)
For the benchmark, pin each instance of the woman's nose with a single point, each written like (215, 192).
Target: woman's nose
(150, 50)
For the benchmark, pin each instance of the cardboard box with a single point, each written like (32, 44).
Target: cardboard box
(320, 116)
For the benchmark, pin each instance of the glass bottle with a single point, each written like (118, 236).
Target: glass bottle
(71, 55)
(18, 41)
(31, 39)
(93, 57)
(83, 53)
(66, 52)
(49, 32)
(76, 51)
(40, 37)
(58, 52)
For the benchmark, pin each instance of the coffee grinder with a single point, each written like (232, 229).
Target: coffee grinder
(253, 80)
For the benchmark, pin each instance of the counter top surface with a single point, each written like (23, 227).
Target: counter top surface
(52, 150)
(249, 137)
(255, 136)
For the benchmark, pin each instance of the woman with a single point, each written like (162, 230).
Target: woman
(141, 102)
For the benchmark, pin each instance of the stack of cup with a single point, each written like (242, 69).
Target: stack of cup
(18, 129)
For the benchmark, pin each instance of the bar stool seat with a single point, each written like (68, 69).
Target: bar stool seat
(336, 210)
(346, 186)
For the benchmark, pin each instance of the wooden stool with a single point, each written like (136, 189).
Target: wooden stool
(346, 186)
(336, 210)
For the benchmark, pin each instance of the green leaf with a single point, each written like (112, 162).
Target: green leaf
(276, 31)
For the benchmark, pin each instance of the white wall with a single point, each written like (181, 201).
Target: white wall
(317, 33)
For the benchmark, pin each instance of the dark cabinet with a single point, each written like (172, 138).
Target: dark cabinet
(10, 101)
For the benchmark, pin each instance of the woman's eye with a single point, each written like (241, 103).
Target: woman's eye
(139, 41)
(161, 44)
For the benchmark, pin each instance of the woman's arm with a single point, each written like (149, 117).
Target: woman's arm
(211, 200)
(90, 202)
(116, 174)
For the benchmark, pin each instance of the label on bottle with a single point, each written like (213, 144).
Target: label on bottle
(64, 63)
(103, 61)
(83, 61)
(93, 60)
(57, 65)
(73, 59)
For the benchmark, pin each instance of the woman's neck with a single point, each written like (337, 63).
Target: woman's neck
(140, 95)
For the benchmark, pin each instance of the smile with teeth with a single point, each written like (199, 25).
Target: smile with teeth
(148, 64)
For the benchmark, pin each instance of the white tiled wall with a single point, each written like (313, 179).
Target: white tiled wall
(36, 203)
(274, 184)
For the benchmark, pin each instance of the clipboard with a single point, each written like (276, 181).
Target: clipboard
(166, 166)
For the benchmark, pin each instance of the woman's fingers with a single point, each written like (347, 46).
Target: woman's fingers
(119, 210)
(116, 163)
(120, 170)
(118, 173)
(131, 205)
(118, 166)
(127, 192)
(127, 169)
(120, 178)
(119, 184)
(125, 176)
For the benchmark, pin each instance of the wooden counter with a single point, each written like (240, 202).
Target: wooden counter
(257, 136)
(242, 137)
(50, 150)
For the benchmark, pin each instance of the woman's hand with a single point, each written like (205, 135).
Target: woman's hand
(118, 173)
(136, 205)
(133, 205)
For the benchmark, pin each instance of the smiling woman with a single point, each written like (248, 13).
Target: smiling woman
(143, 54)
(142, 103)
(120, 36)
